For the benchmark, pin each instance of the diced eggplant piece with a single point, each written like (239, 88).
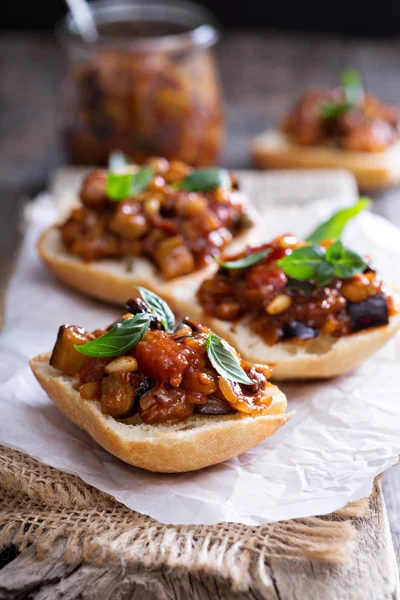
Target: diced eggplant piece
(174, 258)
(121, 393)
(118, 396)
(214, 406)
(371, 312)
(296, 329)
(64, 356)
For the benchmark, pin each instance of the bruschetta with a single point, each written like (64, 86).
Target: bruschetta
(342, 127)
(148, 226)
(162, 396)
(309, 309)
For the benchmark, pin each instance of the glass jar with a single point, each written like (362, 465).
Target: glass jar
(148, 86)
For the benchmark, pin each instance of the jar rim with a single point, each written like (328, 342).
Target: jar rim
(201, 31)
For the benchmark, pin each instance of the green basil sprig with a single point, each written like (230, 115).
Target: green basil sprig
(247, 261)
(159, 307)
(204, 180)
(224, 361)
(334, 226)
(353, 93)
(142, 179)
(124, 185)
(345, 262)
(313, 262)
(329, 110)
(117, 160)
(121, 338)
(353, 87)
(118, 186)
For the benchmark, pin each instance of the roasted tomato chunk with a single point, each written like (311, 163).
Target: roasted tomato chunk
(94, 369)
(165, 403)
(160, 357)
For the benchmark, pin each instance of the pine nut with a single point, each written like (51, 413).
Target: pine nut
(278, 304)
(122, 363)
(151, 207)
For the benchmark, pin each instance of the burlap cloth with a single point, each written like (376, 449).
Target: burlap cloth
(40, 505)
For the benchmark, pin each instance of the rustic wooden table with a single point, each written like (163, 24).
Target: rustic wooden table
(261, 74)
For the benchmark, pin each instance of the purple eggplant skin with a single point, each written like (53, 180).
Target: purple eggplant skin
(215, 406)
(296, 287)
(371, 312)
(296, 329)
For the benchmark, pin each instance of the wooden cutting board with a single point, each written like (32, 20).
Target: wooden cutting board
(371, 574)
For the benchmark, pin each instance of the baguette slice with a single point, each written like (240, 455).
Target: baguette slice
(188, 445)
(112, 280)
(321, 357)
(372, 170)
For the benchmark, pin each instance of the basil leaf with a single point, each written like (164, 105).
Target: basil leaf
(159, 307)
(141, 180)
(117, 160)
(247, 261)
(329, 110)
(345, 262)
(353, 88)
(333, 227)
(203, 180)
(124, 185)
(121, 338)
(224, 361)
(118, 186)
(303, 262)
(324, 273)
(353, 91)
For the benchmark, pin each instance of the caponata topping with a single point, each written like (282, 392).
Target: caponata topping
(345, 116)
(164, 375)
(332, 281)
(167, 212)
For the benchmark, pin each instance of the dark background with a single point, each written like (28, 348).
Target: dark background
(340, 16)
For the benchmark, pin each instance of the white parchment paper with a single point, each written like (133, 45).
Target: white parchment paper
(343, 434)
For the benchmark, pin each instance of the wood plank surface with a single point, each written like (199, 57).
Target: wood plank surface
(261, 74)
(371, 575)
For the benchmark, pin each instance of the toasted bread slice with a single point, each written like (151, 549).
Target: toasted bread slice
(196, 442)
(372, 170)
(320, 357)
(112, 280)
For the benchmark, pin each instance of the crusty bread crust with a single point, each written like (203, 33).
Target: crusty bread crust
(112, 280)
(321, 357)
(188, 445)
(372, 170)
